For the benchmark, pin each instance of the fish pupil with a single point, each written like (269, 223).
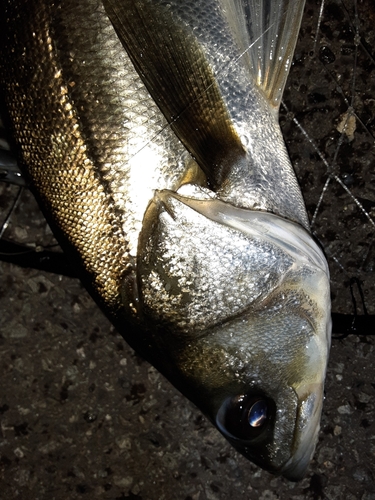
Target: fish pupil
(257, 415)
(247, 417)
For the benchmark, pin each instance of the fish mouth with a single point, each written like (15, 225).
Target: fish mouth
(306, 431)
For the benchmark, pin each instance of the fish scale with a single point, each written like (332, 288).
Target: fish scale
(89, 124)
(81, 211)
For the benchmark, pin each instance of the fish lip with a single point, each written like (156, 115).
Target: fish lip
(307, 430)
(296, 469)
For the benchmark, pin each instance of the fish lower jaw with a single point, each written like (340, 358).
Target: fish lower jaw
(296, 467)
(306, 433)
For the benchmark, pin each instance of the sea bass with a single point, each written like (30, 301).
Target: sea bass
(148, 131)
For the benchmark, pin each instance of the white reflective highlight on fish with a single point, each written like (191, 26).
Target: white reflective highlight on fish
(154, 149)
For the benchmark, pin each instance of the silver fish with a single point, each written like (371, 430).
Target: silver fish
(163, 172)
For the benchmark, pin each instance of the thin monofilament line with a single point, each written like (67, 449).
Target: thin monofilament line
(350, 110)
(330, 173)
(11, 211)
(359, 205)
(317, 31)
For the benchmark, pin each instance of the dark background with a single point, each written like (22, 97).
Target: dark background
(82, 416)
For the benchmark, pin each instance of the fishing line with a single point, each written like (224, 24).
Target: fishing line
(360, 322)
(317, 31)
(10, 213)
(329, 168)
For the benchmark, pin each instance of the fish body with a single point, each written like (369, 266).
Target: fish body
(163, 172)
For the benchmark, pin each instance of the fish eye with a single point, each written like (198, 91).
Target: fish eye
(245, 416)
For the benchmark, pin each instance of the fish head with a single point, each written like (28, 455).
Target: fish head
(238, 305)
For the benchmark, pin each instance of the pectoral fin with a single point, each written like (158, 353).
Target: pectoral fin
(171, 60)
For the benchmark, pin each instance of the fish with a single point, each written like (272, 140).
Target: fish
(148, 132)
